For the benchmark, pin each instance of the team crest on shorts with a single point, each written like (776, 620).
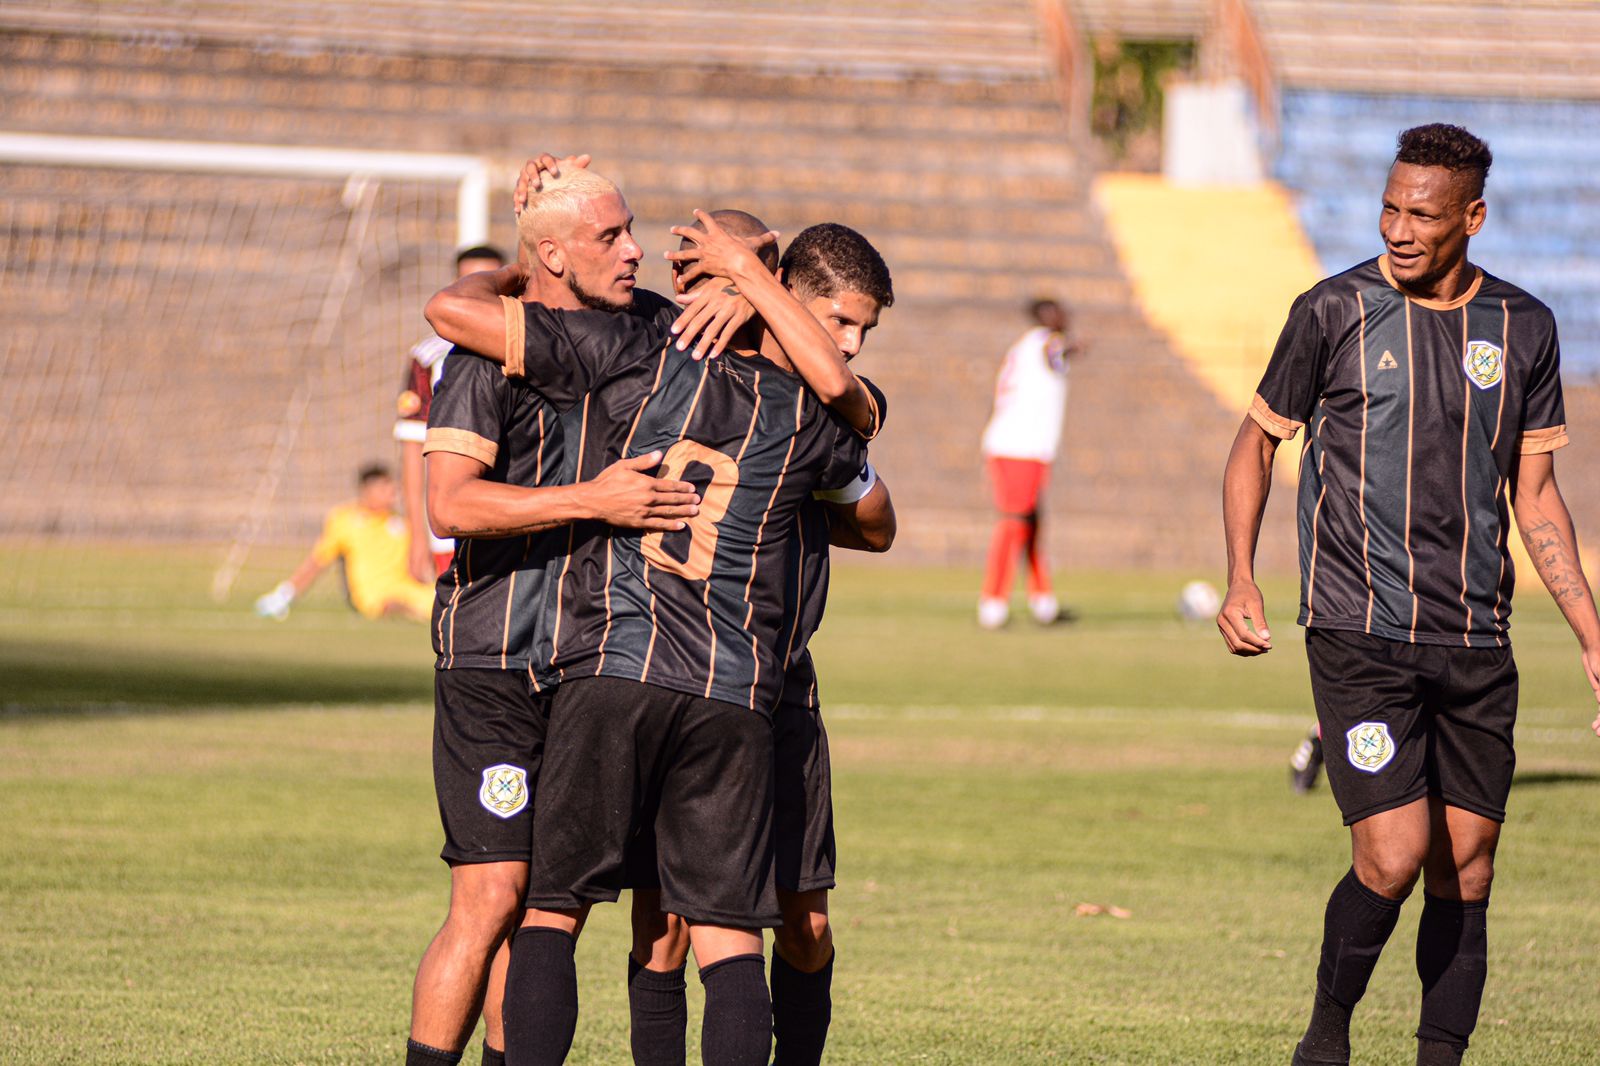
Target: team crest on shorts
(1484, 363)
(1370, 747)
(505, 790)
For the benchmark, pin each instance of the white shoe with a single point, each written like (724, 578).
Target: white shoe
(993, 613)
(1045, 608)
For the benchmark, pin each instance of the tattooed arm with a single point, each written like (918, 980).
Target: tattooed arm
(1546, 527)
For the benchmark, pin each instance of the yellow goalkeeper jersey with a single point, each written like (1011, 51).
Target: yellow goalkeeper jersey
(374, 547)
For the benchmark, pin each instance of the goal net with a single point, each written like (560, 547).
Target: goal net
(201, 345)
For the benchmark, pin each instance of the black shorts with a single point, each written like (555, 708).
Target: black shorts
(488, 740)
(802, 808)
(1402, 721)
(626, 760)
(802, 803)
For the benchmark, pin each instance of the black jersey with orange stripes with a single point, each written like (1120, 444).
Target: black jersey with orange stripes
(810, 567)
(486, 612)
(1416, 412)
(699, 610)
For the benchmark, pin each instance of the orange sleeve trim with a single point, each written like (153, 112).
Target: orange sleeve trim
(1271, 421)
(461, 442)
(877, 417)
(516, 337)
(1534, 441)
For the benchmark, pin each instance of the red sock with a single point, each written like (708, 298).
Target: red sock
(1010, 535)
(1038, 566)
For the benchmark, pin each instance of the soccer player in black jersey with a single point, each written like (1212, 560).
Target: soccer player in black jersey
(842, 280)
(1430, 393)
(495, 455)
(668, 647)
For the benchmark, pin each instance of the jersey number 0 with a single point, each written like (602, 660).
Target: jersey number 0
(702, 527)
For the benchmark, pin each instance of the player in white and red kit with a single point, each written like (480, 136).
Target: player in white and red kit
(1019, 444)
(429, 554)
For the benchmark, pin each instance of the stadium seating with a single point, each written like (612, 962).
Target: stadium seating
(1474, 48)
(961, 170)
(1543, 231)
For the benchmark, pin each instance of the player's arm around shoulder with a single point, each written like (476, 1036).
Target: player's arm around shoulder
(804, 340)
(1552, 542)
(468, 495)
(469, 312)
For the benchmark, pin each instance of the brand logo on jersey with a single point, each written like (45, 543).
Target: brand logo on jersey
(409, 404)
(726, 367)
(1370, 746)
(1484, 363)
(505, 790)
(1386, 361)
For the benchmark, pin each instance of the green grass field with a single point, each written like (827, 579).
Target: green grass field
(220, 838)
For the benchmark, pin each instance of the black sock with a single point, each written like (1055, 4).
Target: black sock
(1438, 1053)
(1452, 960)
(1355, 927)
(658, 1006)
(493, 1056)
(423, 1055)
(541, 1004)
(802, 1007)
(737, 1027)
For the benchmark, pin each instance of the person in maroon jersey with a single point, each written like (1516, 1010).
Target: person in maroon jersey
(429, 554)
(1430, 393)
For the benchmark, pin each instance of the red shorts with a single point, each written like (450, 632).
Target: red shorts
(441, 561)
(1018, 484)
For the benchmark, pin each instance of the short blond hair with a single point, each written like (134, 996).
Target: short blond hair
(558, 206)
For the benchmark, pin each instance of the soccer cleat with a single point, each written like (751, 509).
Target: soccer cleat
(1306, 763)
(993, 613)
(1046, 609)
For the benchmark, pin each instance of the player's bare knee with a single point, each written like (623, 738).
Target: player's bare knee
(805, 941)
(1473, 878)
(1390, 873)
(487, 900)
(660, 940)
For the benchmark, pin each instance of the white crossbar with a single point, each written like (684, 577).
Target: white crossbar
(469, 173)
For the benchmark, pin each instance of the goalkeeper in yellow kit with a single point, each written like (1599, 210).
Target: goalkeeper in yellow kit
(373, 542)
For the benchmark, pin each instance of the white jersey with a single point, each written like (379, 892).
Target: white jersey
(1030, 399)
(416, 398)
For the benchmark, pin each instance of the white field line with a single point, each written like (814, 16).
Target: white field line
(1237, 719)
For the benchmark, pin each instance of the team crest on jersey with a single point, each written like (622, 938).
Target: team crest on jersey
(409, 404)
(1484, 363)
(505, 790)
(1386, 362)
(1370, 746)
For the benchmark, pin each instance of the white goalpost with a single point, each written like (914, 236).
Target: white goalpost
(205, 338)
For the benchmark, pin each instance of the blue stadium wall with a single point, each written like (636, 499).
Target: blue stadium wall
(1543, 231)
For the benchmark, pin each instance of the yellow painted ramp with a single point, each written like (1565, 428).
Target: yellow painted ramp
(1215, 268)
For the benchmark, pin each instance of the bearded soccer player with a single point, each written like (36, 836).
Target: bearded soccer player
(1430, 393)
(495, 455)
(667, 647)
(430, 553)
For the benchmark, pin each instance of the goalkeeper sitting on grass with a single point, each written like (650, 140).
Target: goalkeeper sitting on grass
(373, 543)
